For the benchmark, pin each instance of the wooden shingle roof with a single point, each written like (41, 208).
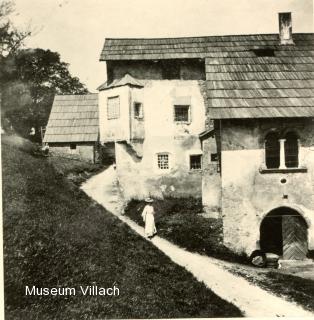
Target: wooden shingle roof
(240, 82)
(73, 118)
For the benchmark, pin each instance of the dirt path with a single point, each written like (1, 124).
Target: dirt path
(252, 300)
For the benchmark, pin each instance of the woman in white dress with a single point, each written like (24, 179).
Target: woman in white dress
(149, 219)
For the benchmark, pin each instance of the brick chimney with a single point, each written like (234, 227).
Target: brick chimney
(285, 28)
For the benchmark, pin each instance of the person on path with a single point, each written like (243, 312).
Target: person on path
(149, 219)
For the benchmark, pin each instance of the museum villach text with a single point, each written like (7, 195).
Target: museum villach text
(67, 291)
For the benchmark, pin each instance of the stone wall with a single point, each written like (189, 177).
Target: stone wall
(249, 193)
(82, 152)
(211, 181)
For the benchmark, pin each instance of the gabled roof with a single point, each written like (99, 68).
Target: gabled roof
(126, 80)
(240, 82)
(73, 118)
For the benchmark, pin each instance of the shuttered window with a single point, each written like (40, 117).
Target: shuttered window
(113, 107)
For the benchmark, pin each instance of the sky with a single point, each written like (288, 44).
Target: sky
(77, 28)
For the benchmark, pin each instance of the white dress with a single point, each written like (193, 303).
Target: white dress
(148, 218)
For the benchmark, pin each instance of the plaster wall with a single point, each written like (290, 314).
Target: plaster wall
(114, 129)
(159, 133)
(248, 194)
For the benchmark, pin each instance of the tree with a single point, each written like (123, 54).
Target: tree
(33, 77)
(29, 78)
(11, 39)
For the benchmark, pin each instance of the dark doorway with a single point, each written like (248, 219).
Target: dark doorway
(284, 232)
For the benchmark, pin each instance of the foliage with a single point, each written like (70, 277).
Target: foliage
(179, 221)
(11, 39)
(55, 235)
(31, 78)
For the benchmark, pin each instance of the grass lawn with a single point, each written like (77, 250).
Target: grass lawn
(54, 235)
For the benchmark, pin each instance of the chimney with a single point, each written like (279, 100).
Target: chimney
(285, 28)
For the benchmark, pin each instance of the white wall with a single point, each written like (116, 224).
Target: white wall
(141, 177)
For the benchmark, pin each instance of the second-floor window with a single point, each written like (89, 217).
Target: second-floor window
(182, 114)
(282, 151)
(113, 107)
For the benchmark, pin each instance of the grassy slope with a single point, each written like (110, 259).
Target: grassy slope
(178, 221)
(55, 235)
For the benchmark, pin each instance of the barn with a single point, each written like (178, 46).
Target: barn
(72, 129)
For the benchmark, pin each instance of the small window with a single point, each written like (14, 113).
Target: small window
(113, 107)
(182, 114)
(138, 110)
(195, 162)
(291, 150)
(272, 151)
(214, 157)
(163, 161)
(72, 146)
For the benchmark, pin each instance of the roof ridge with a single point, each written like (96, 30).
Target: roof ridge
(208, 36)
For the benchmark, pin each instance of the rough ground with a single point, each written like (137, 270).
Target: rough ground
(252, 300)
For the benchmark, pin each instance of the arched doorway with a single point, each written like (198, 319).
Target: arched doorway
(283, 231)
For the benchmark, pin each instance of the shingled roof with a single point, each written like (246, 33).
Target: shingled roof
(241, 82)
(73, 118)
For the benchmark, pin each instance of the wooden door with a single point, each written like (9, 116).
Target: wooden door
(294, 237)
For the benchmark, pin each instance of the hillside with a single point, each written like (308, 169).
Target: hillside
(54, 235)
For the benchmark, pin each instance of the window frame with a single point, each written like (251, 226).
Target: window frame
(283, 163)
(117, 113)
(200, 163)
(188, 106)
(160, 154)
(141, 113)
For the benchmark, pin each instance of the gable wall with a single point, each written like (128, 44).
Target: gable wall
(247, 194)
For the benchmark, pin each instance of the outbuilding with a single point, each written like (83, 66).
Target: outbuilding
(73, 126)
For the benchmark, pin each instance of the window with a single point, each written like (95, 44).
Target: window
(285, 145)
(113, 107)
(182, 114)
(163, 161)
(272, 150)
(138, 110)
(214, 157)
(72, 146)
(291, 150)
(195, 162)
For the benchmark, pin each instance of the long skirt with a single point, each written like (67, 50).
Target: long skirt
(150, 228)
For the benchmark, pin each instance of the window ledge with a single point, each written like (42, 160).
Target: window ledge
(195, 170)
(182, 122)
(286, 170)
